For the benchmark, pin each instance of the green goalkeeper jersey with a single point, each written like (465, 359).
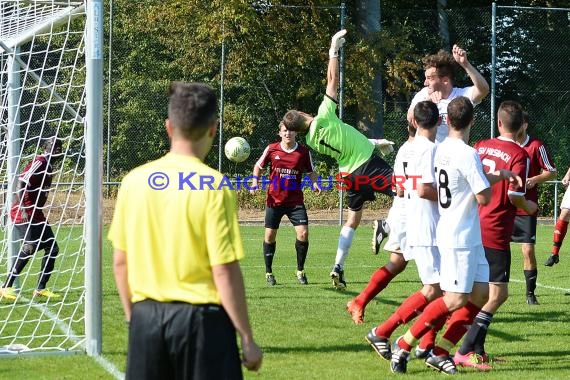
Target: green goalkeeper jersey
(329, 135)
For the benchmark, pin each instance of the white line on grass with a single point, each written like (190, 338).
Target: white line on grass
(99, 359)
(543, 286)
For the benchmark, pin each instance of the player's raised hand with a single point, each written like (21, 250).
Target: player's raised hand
(460, 55)
(337, 41)
(566, 180)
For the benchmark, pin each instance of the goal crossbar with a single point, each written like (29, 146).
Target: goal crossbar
(34, 19)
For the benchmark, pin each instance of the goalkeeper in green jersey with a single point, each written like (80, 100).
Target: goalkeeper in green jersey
(361, 171)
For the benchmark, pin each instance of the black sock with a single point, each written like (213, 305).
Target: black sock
(475, 338)
(301, 247)
(530, 278)
(18, 267)
(48, 263)
(268, 253)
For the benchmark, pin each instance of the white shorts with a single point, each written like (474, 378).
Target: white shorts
(566, 199)
(462, 268)
(397, 221)
(428, 262)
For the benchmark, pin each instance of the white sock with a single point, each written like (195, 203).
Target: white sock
(344, 243)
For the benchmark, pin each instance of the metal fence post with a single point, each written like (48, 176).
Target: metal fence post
(493, 64)
(340, 100)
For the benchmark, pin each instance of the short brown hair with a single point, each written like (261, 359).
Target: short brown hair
(460, 113)
(510, 113)
(426, 114)
(192, 108)
(293, 121)
(443, 62)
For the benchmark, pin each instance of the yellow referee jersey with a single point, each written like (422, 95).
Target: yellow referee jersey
(175, 219)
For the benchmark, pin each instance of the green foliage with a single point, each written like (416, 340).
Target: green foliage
(274, 59)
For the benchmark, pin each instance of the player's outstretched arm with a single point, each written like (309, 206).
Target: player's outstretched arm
(333, 69)
(481, 86)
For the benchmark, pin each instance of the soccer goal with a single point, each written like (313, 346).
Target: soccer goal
(50, 87)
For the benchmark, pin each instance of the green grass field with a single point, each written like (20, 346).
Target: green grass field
(305, 332)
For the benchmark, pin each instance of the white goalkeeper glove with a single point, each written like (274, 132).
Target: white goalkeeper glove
(385, 146)
(337, 42)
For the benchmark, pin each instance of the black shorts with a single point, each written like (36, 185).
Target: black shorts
(296, 214)
(525, 229)
(499, 265)
(177, 340)
(375, 175)
(39, 235)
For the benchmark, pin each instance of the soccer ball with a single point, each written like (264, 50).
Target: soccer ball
(237, 149)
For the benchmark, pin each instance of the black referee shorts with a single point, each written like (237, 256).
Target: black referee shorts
(176, 340)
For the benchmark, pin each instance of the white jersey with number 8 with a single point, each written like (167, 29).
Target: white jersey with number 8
(459, 176)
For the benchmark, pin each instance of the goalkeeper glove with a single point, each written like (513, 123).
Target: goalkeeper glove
(337, 42)
(385, 146)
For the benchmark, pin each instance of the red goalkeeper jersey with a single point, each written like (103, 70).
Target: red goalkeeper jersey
(285, 184)
(37, 176)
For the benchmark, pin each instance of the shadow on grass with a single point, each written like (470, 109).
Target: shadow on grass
(534, 316)
(312, 349)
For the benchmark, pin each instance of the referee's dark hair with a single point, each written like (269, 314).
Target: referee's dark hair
(192, 108)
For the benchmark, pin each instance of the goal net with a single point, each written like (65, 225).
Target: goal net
(43, 95)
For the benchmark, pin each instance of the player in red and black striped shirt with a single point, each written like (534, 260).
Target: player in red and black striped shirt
(541, 169)
(30, 223)
(288, 161)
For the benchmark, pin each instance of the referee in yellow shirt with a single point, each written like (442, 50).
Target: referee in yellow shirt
(176, 249)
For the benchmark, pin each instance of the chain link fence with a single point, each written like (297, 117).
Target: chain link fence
(522, 52)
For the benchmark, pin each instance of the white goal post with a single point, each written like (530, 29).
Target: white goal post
(51, 78)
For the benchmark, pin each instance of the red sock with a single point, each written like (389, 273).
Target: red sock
(458, 324)
(434, 312)
(428, 340)
(408, 310)
(559, 234)
(433, 315)
(379, 280)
